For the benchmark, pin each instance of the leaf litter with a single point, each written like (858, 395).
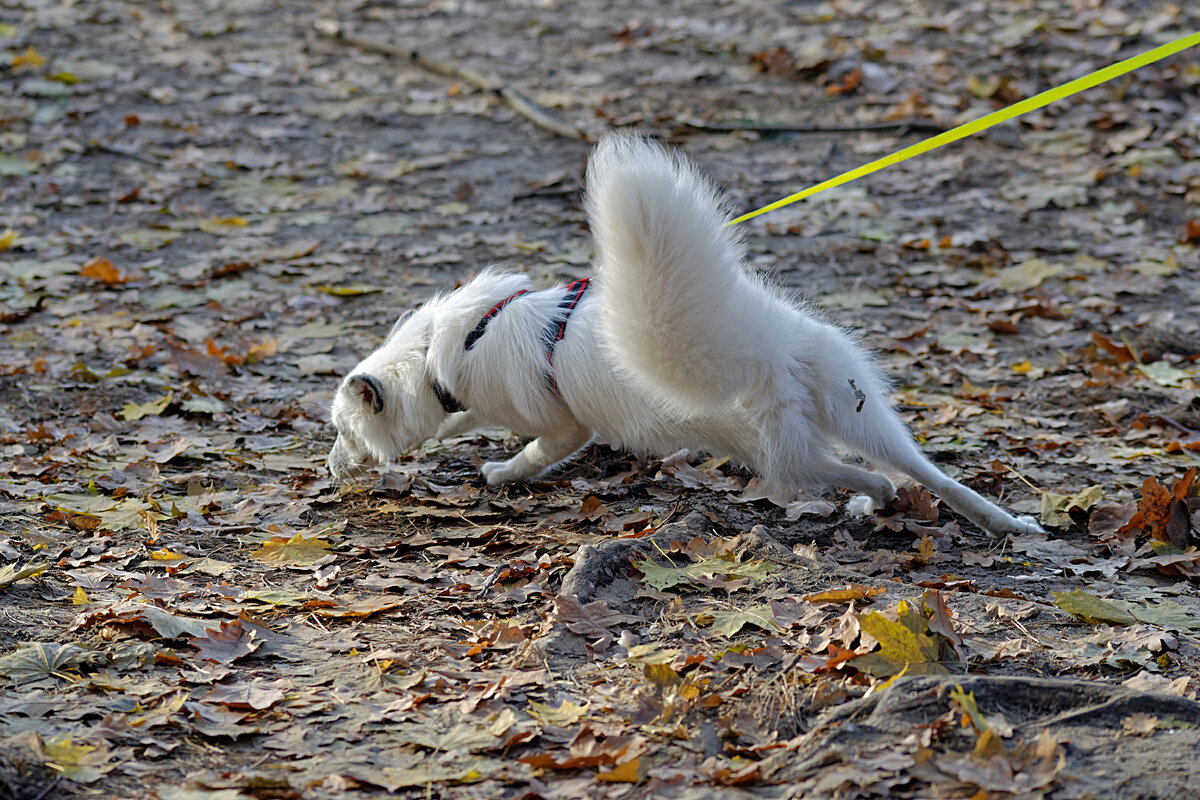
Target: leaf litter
(211, 214)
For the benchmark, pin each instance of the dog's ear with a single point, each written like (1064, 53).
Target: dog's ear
(368, 389)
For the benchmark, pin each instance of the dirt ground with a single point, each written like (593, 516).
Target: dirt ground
(210, 211)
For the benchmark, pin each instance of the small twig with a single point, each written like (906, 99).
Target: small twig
(911, 126)
(515, 100)
(97, 147)
(482, 591)
(1165, 420)
(1024, 480)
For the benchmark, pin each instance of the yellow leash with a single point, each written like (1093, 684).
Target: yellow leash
(995, 118)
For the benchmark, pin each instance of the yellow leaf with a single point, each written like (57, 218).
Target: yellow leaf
(221, 225)
(80, 597)
(970, 710)
(906, 644)
(1026, 276)
(1022, 367)
(1056, 507)
(30, 58)
(622, 773)
(8, 238)
(9, 574)
(294, 552)
(362, 608)
(565, 715)
(166, 555)
(349, 290)
(853, 591)
(82, 763)
(134, 411)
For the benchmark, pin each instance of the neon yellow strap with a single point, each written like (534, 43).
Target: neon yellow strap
(995, 118)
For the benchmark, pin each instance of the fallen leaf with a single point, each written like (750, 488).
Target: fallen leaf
(294, 552)
(135, 411)
(1093, 609)
(10, 574)
(226, 643)
(103, 270)
(851, 593)
(626, 772)
(1056, 507)
(564, 716)
(728, 623)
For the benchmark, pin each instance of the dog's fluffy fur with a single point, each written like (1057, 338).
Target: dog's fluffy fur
(676, 346)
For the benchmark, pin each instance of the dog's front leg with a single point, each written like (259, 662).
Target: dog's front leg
(457, 424)
(537, 456)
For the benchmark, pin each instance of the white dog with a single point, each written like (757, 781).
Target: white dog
(673, 345)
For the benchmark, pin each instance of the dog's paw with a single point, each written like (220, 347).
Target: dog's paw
(1014, 526)
(861, 506)
(494, 472)
(498, 472)
(1028, 525)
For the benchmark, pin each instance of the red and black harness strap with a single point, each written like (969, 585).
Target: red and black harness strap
(481, 328)
(550, 337)
(558, 328)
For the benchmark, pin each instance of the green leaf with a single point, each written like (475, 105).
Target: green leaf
(661, 577)
(35, 661)
(1168, 614)
(9, 574)
(148, 238)
(728, 623)
(1164, 374)
(204, 404)
(1055, 507)
(383, 225)
(1094, 609)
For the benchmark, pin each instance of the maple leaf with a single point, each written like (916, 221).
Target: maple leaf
(728, 623)
(103, 270)
(594, 620)
(564, 716)
(1163, 514)
(626, 772)
(30, 58)
(661, 577)
(907, 643)
(1056, 508)
(225, 644)
(10, 574)
(294, 552)
(34, 661)
(361, 608)
(82, 763)
(852, 592)
(135, 411)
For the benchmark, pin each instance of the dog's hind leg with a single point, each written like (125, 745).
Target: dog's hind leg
(866, 422)
(537, 456)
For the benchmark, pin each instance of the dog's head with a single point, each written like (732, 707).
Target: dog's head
(387, 404)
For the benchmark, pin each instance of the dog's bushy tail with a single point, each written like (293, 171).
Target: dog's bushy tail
(680, 311)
